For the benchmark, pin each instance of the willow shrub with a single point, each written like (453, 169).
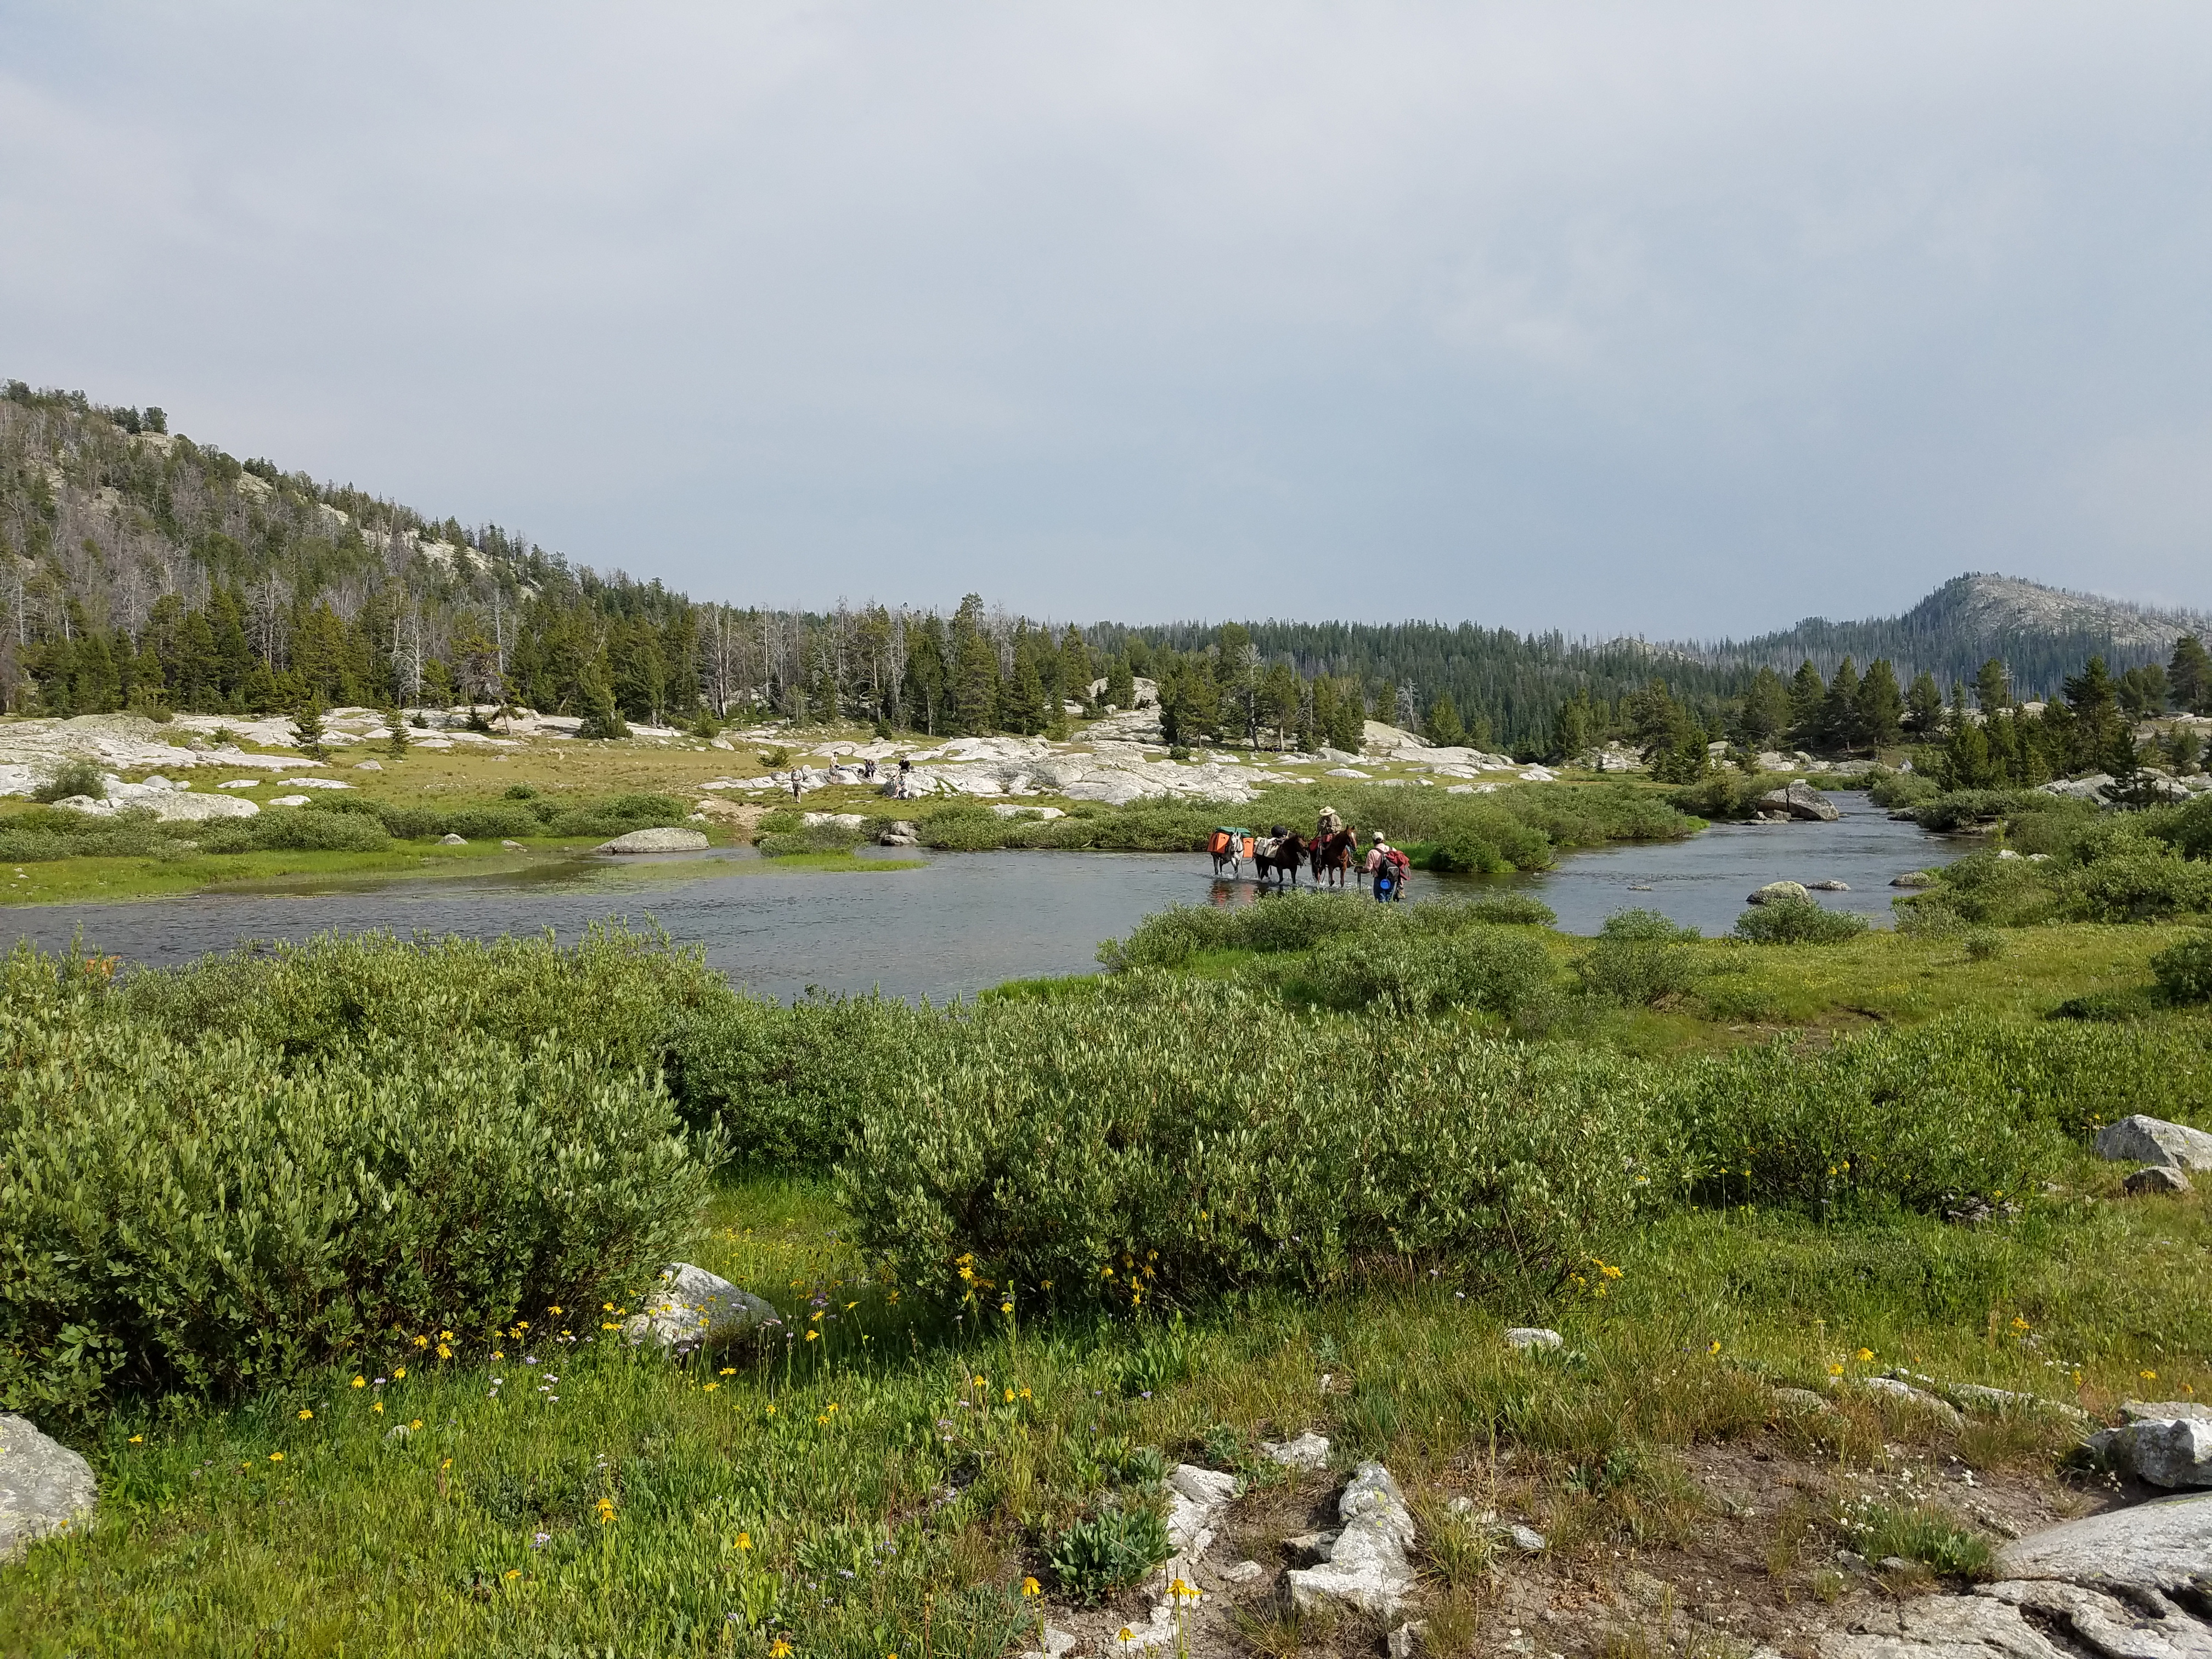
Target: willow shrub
(187, 1217)
(1305, 921)
(1501, 970)
(1968, 1106)
(1177, 1139)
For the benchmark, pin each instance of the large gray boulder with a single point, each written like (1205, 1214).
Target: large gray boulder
(2126, 1585)
(44, 1487)
(2165, 1546)
(1799, 800)
(1781, 892)
(655, 841)
(2173, 1452)
(2140, 1139)
(691, 1307)
(1367, 1567)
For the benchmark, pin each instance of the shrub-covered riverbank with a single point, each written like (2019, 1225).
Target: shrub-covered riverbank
(263, 1211)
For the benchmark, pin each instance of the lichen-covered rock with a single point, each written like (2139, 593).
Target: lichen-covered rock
(44, 1487)
(691, 1307)
(1525, 1337)
(655, 841)
(1308, 1451)
(1780, 892)
(1367, 1566)
(2140, 1139)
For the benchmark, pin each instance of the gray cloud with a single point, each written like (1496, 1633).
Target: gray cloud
(1683, 319)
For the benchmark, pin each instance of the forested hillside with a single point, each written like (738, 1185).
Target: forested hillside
(2041, 634)
(142, 569)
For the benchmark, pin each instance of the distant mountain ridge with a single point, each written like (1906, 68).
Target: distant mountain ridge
(2042, 634)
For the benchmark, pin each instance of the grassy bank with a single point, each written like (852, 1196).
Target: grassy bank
(1026, 1251)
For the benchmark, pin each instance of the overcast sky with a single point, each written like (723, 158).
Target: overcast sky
(1678, 320)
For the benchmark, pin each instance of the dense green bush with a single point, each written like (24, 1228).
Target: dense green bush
(293, 829)
(2143, 881)
(1499, 969)
(810, 838)
(47, 835)
(789, 1085)
(1797, 921)
(186, 1214)
(1970, 1105)
(1179, 1138)
(622, 996)
(1900, 790)
(962, 827)
(2188, 829)
(1304, 921)
(2184, 971)
(74, 777)
(1640, 959)
(512, 817)
(1917, 1121)
(1726, 796)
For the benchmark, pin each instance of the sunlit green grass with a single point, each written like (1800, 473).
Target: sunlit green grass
(602, 1499)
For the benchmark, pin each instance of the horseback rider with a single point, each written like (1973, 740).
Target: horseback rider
(1329, 824)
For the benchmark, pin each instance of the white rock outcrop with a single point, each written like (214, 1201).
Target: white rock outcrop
(44, 1487)
(2140, 1139)
(1368, 1566)
(1525, 1337)
(690, 1308)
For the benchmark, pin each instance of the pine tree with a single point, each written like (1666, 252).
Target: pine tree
(1992, 691)
(2189, 675)
(307, 729)
(1839, 719)
(601, 717)
(395, 722)
(1807, 693)
(1443, 728)
(2096, 707)
(1878, 709)
(1120, 683)
(1924, 705)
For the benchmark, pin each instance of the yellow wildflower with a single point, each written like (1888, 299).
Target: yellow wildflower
(275, 1457)
(1031, 1587)
(360, 1381)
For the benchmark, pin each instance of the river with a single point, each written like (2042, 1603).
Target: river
(962, 921)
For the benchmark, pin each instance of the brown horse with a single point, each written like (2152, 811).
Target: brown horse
(1290, 852)
(1337, 854)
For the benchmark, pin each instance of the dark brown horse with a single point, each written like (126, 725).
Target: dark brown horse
(1337, 854)
(1290, 852)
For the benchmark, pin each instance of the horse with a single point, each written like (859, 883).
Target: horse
(1338, 854)
(1228, 852)
(1289, 853)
